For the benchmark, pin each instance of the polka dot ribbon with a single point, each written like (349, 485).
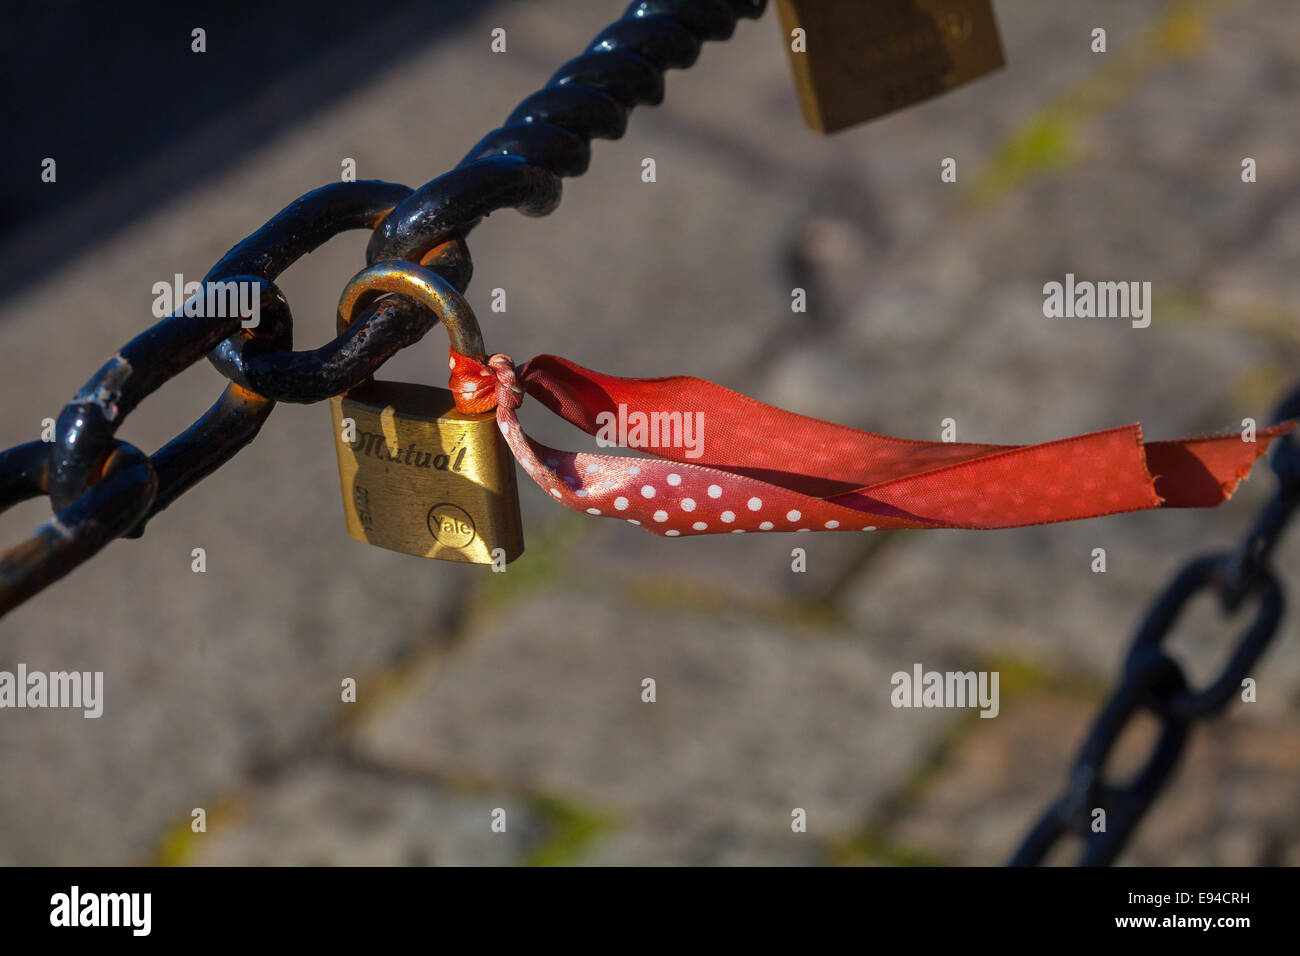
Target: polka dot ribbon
(725, 463)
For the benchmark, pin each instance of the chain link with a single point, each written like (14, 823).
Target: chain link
(1152, 681)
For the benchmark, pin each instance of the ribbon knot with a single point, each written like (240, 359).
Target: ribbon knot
(479, 387)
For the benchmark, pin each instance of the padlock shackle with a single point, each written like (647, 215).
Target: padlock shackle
(425, 286)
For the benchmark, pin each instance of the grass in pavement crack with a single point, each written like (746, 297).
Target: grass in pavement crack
(1048, 140)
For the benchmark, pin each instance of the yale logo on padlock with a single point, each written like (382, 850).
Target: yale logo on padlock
(863, 58)
(419, 476)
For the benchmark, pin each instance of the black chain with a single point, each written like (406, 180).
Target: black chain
(103, 488)
(1152, 681)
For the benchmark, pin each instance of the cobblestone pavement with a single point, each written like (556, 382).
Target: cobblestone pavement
(521, 693)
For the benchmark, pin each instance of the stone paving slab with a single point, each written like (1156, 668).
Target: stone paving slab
(750, 721)
(327, 814)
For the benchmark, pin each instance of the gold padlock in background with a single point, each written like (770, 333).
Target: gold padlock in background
(865, 58)
(419, 476)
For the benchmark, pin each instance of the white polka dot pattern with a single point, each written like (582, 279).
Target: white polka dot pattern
(672, 499)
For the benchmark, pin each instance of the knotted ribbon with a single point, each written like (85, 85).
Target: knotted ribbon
(761, 468)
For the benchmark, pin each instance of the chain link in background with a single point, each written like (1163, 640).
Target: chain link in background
(1152, 681)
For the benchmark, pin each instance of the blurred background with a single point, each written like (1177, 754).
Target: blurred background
(521, 691)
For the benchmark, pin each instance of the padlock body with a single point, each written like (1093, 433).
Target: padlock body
(423, 478)
(865, 58)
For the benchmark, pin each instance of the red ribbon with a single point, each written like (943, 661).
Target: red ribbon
(760, 468)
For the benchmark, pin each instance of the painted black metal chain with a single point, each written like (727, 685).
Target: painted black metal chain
(1152, 681)
(103, 488)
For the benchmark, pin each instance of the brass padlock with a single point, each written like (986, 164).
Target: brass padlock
(854, 60)
(418, 476)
